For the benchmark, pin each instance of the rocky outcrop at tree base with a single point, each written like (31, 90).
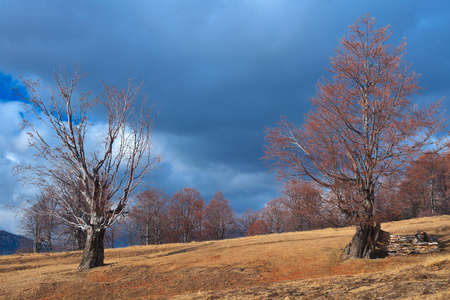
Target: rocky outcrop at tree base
(419, 243)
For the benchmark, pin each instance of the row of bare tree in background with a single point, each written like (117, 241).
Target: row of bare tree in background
(157, 218)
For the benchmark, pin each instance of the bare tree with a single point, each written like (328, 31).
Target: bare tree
(423, 190)
(219, 217)
(247, 219)
(112, 235)
(30, 225)
(130, 231)
(69, 191)
(277, 216)
(260, 227)
(150, 212)
(106, 173)
(39, 221)
(186, 211)
(305, 203)
(363, 126)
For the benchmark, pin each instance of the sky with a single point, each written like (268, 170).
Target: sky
(216, 72)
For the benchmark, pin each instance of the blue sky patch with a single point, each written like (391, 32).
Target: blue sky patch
(11, 89)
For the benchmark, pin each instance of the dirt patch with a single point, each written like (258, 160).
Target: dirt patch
(101, 276)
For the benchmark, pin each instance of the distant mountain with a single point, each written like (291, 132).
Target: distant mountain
(10, 243)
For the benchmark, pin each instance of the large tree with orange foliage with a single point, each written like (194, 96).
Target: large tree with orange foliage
(362, 126)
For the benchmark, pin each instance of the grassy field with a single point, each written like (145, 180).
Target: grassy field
(301, 265)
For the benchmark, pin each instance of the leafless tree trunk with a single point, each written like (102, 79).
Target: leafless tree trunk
(94, 250)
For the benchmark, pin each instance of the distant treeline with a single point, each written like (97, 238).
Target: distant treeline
(157, 218)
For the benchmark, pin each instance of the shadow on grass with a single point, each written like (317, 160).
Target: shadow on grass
(184, 250)
(444, 241)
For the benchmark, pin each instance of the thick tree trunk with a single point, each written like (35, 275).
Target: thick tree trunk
(367, 232)
(80, 238)
(94, 250)
(364, 241)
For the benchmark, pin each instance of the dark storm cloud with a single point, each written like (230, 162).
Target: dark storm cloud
(218, 71)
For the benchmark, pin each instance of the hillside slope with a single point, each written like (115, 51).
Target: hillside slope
(304, 265)
(10, 243)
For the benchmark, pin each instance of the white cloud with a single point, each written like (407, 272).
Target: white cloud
(10, 116)
(12, 157)
(180, 169)
(8, 221)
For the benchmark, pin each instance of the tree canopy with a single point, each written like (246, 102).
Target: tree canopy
(363, 123)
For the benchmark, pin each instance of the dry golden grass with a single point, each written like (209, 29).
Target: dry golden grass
(304, 265)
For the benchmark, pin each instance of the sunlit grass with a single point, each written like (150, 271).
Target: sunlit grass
(304, 260)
